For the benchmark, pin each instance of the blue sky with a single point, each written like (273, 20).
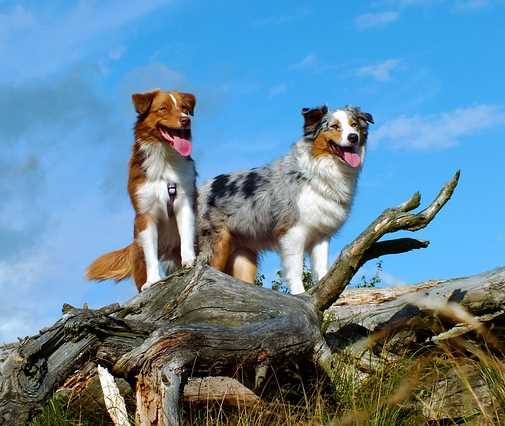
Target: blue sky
(431, 72)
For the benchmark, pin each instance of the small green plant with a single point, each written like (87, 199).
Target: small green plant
(374, 281)
(278, 284)
(260, 280)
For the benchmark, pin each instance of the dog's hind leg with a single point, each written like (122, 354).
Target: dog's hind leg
(243, 264)
(221, 250)
(170, 261)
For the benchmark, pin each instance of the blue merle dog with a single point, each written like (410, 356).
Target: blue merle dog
(293, 205)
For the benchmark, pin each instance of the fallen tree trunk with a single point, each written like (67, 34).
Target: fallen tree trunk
(197, 322)
(361, 313)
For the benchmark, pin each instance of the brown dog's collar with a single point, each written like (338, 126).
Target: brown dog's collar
(172, 193)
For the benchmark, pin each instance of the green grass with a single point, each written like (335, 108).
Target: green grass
(57, 413)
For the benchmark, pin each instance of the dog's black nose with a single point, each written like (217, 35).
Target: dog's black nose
(353, 138)
(185, 121)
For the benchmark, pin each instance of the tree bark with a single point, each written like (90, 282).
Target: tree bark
(201, 322)
(390, 310)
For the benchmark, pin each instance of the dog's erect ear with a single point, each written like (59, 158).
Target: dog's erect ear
(142, 101)
(366, 116)
(189, 102)
(312, 116)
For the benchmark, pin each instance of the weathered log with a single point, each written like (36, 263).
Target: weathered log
(222, 390)
(197, 322)
(391, 308)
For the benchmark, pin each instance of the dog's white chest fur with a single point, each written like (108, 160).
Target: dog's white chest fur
(324, 201)
(318, 213)
(163, 168)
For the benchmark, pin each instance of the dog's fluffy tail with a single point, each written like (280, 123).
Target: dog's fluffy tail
(116, 265)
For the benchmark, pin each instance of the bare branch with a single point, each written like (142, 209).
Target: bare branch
(365, 246)
(114, 402)
(396, 246)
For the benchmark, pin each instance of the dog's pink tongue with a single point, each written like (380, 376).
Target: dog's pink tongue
(352, 158)
(182, 146)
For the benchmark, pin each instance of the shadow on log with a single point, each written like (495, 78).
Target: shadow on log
(201, 322)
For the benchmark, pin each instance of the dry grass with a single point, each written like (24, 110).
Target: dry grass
(459, 382)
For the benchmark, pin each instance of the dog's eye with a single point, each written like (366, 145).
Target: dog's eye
(163, 109)
(355, 124)
(335, 126)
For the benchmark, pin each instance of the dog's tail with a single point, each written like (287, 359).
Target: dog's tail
(116, 265)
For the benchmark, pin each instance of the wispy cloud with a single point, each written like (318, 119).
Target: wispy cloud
(47, 103)
(457, 5)
(278, 89)
(308, 61)
(282, 18)
(16, 19)
(471, 5)
(153, 76)
(407, 3)
(29, 36)
(376, 20)
(381, 71)
(438, 131)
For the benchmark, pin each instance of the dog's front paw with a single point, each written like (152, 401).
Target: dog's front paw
(188, 262)
(150, 281)
(296, 288)
(187, 258)
(146, 285)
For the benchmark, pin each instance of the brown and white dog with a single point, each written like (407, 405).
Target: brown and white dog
(161, 185)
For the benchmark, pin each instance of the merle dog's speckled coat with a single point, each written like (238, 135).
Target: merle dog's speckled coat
(293, 205)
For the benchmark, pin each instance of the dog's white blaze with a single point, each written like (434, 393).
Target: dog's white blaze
(343, 117)
(173, 99)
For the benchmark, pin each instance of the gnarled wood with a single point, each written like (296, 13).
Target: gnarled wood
(197, 322)
(388, 308)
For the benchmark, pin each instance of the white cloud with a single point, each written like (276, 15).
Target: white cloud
(376, 20)
(17, 19)
(381, 71)
(278, 89)
(457, 5)
(309, 61)
(282, 19)
(19, 316)
(36, 282)
(32, 36)
(406, 3)
(438, 131)
(153, 76)
(471, 5)
(117, 53)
